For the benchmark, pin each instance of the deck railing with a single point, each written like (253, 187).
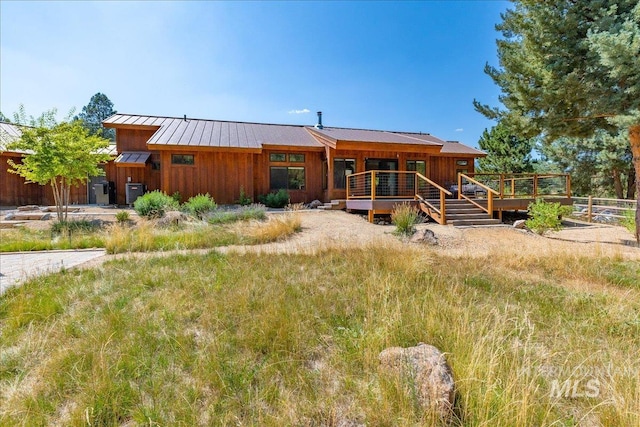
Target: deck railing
(600, 209)
(525, 185)
(468, 186)
(376, 184)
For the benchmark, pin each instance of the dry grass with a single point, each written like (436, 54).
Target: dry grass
(277, 227)
(268, 339)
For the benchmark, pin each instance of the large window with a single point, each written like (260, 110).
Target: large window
(182, 159)
(342, 168)
(419, 166)
(287, 177)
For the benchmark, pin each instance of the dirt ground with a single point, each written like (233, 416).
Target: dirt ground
(324, 229)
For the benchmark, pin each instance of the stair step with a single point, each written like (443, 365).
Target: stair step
(455, 217)
(470, 222)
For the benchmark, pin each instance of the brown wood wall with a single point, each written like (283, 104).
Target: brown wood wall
(312, 171)
(15, 192)
(219, 173)
(132, 139)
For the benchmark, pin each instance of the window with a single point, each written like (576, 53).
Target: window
(182, 159)
(419, 166)
(287, 177)
(296, 158)
(277, 157)
(342, 168)
(462, 162)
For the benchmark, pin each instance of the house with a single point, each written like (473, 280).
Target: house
(15, 191)
(222, 158)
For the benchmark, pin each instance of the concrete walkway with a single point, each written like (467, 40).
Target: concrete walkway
(15, 267)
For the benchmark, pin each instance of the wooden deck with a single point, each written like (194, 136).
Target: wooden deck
(482, 200)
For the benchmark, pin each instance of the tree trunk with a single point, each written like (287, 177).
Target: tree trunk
(631, 184)
(634, 141)
(617, 183)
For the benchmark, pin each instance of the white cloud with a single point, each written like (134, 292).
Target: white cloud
(303, 111)
(459, 130)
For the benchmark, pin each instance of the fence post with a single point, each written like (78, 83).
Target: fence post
(459, 186)
(373, 184)
(589, 208)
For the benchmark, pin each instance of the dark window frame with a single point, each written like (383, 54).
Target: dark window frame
(292, 184)
(181, 159)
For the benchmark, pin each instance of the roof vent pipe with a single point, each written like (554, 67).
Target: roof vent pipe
(319, 125)
(185, 117)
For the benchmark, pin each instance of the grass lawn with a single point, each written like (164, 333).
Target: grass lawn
(273, 340)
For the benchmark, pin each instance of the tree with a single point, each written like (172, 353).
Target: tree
(570, 68)
(4, 118)
(506, 153)
(600, 164)
(92, 115)
(59, 154)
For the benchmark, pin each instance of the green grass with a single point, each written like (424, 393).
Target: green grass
(275, 340)
(39, 240)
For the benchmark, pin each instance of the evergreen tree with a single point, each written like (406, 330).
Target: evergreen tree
(92, 115)
(506, 153)
(600, 165)
(570, 68)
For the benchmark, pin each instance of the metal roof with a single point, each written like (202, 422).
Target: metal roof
(8, 133)
(244, 135)
(216, 133)
(364, 135)
(137, 158)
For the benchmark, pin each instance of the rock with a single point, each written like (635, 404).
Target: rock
(425, 236)
(45, 217)
(424, 372)
(28, 208)
(314, 204)
(9, 216)
(520, 224)
(171, 218)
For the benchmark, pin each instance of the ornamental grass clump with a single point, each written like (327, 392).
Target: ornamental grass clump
(154, 204)
(198, 206)
(404, 217)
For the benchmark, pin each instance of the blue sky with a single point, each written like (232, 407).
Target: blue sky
(410, 66)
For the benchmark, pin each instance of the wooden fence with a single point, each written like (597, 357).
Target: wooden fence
(601, 209)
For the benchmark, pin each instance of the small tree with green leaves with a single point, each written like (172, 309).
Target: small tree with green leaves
(62, 155)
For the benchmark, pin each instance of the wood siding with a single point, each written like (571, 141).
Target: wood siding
(312, 171)
(15, 192)
(219, 173)
(132, 139)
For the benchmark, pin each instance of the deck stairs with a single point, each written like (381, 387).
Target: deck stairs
(462, 213)
(334, 205)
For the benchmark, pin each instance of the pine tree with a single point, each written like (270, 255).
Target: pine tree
(99, 108)
(506, 152)
(570, 68)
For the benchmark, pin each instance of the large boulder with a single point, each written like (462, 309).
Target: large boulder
(315, 204)
(423, 369)
(425, 236)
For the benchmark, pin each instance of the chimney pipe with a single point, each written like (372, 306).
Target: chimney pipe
(319, 125)
(185, 117)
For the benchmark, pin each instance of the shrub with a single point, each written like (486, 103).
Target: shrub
(177, 197)
(545, 216)
(628, 220)
(154, 204)
(244, 199)
(404, 217)
(199, 205)
(123, 217)
(275, 200)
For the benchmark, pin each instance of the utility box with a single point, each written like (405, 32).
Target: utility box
(133, 191)
(105, 193)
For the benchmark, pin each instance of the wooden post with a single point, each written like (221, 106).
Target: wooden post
(501, 185)
(513, 188)
(373, 185)
(490, 204)
(589, 208)
(443, 207)
(535, 186)
(459, 187)
(568, 185)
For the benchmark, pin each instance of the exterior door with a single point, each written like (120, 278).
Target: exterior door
(386, 183)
